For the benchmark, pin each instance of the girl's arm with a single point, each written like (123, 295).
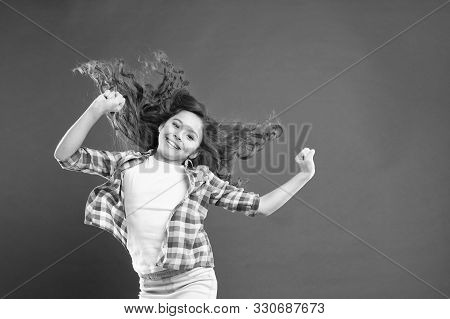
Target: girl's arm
(229, 197)
(75, 136)
(74, 157)
(272, 201)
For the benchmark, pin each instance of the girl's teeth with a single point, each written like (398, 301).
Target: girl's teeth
(173, 145)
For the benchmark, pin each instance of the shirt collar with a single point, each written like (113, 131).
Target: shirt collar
(196, 172)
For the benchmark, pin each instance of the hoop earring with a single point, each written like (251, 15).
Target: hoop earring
(186, 163)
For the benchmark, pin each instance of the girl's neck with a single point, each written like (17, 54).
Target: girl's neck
(161, 158)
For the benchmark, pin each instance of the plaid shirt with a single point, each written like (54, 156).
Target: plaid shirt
(186, 244)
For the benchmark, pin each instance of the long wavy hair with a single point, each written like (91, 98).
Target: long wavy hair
(147, 107)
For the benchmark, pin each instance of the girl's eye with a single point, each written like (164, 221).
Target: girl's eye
(177, 126)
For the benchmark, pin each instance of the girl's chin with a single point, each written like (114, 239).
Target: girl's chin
(173, 151)
(170, 149)
(172, 154)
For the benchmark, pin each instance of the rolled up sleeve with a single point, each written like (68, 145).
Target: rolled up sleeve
(91, 161)
(230, 197)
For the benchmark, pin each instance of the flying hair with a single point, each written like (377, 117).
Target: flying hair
(147, 106)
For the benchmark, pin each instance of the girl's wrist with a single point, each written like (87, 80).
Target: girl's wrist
(306, 175)
(96, 111)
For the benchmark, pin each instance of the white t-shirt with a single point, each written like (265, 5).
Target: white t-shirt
(151, 191)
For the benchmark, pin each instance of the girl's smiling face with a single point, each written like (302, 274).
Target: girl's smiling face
(179, 137)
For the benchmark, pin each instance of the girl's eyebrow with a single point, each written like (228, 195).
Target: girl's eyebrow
(190, 128)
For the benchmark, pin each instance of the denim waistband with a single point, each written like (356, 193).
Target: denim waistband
(163, 274)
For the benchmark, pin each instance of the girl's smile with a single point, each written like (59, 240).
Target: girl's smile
(172, 144)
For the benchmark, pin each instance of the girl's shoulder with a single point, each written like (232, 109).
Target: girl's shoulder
(203, 168)
(205, 172)
(132, 157)
(135, 154)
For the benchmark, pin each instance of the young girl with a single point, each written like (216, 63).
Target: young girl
(155, 199)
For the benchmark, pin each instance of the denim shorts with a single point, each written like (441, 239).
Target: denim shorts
(197, 283)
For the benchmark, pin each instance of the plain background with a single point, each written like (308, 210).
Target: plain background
(380, 130)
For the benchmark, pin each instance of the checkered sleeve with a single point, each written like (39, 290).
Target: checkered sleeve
(91, 161)
(230, 197)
